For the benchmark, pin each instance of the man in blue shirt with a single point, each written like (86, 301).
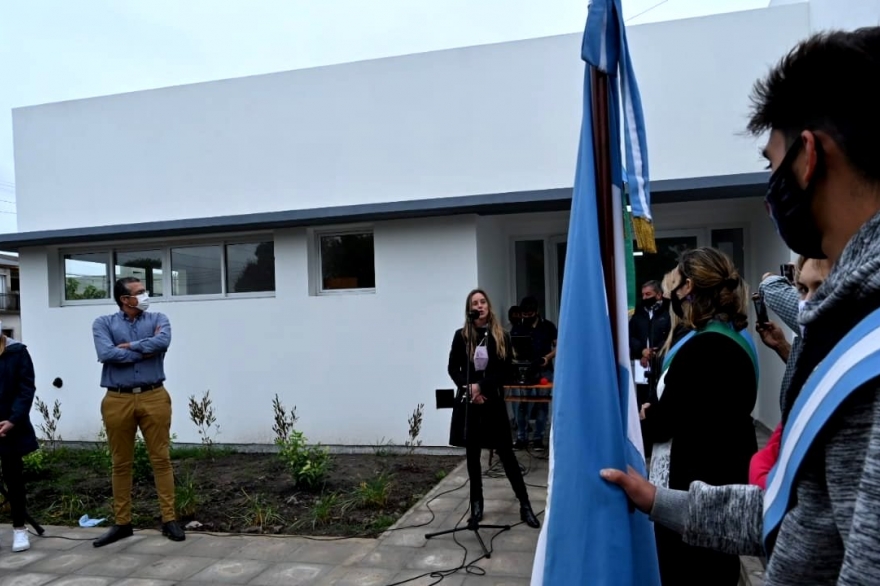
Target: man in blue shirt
(131, 344)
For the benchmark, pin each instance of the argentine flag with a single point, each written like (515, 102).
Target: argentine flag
(591, 535)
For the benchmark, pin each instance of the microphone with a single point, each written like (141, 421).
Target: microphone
(473, 315)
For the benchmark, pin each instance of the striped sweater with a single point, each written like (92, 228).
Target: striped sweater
(832, 533)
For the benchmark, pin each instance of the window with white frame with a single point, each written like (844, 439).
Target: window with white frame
(184, 270)
(346, 261)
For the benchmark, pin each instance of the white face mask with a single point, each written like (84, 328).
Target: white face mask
(143, 301)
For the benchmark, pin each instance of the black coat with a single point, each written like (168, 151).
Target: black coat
(486, 424)
(16, 398)
(643, 327)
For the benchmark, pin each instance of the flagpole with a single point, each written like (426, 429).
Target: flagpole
(602, 159)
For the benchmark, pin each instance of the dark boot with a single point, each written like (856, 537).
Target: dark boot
(527, 515)
(476, 511)
(113, 535)
(172, 531)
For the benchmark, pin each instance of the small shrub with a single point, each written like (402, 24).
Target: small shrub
(323, 509)
(440, 475)
(69, 507)
(35, 462)
(256, 512)
(49, 427)
(202, 414)
(415, 428)
(381, 523)
(372, 493)
(307, 465)
(186, 494)
(143, 468)
(284, 421)
(381, 448)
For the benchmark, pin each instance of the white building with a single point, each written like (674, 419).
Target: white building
(314, 233)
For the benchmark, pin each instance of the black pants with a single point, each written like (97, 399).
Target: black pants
(13, 478)
(511, 469)
(686, 565)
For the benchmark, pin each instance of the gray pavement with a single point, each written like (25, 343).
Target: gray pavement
(66, 556)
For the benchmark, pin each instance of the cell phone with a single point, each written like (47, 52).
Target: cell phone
(760, 308)
(787, 271)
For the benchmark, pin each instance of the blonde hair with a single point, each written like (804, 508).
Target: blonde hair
(718, 291)
(469, 331)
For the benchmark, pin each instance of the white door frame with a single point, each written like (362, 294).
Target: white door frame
(554, 293)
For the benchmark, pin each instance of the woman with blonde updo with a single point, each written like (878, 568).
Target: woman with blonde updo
(701, 424)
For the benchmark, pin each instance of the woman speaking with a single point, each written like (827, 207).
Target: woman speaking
(479, 361)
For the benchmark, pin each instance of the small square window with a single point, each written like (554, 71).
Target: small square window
(250, 267)
(197, 270)
(346, 261)
(145, 265)
(87, 276)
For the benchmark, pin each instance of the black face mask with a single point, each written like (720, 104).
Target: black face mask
(790, 206)
(675, 301)
(650, 302)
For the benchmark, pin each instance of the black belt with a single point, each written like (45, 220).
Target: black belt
(135, 390)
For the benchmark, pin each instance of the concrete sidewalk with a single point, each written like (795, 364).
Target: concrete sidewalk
(66, 557)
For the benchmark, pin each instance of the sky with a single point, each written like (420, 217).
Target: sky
(56, 50)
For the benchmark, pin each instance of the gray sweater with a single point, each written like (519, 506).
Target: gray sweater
(831, 535)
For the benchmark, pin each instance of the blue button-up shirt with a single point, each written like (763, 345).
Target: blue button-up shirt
(143, 363)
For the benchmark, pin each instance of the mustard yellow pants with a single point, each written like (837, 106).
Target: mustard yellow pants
(123, 414)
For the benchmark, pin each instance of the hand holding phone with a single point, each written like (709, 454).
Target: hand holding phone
(760, 308)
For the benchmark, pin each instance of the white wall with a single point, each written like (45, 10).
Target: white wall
(487, 119)
(354, 365)
(492, 268)
(843, 14)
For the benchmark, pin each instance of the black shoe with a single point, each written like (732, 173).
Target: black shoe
(528, 516)
(172, 531)
(113, 535)
(520, 445)
(476, 511)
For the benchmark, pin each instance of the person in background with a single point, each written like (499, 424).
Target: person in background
(17, 436)
(479, 361)
(649, 328)
(131, 344)
(809, 275)
(543, 333)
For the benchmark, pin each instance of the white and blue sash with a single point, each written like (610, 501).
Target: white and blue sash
(853, 361)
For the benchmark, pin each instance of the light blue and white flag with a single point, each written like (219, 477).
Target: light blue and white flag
(591, 535)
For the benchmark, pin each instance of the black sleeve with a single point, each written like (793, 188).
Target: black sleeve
(458, 365)
(636, 344)
(24, 398)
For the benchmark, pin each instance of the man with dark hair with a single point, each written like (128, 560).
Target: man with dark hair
(648, 329)
(131, 344)
(543, 333)
(819, 520)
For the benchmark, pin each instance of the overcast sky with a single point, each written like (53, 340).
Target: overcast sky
(54, 50)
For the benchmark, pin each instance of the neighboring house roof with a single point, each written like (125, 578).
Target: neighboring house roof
(666, 191)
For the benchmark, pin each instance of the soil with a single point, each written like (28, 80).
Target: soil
(361, 495)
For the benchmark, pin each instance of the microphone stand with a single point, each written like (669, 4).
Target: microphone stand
(472, 524)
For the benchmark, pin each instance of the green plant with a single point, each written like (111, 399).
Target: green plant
(440, 475)
(49, 427)
(415, 429)
(99, 456)
(142, 469)
(322, 512)
(35, 462)
(381, 523)
(307, 465)
(69, 507)
(186, 494)
(381, 448)
(256, 512)
(203, 415)
(372, 493)
(284, 421)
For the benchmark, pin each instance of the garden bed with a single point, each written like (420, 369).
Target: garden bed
(358, 495)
